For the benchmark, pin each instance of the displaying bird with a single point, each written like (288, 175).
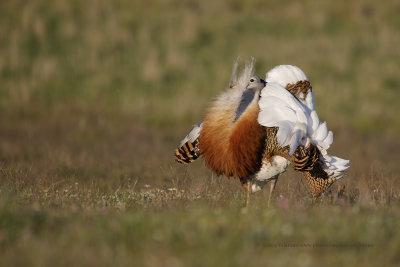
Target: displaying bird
(256, 128)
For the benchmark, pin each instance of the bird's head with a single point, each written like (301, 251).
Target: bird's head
(255, 84)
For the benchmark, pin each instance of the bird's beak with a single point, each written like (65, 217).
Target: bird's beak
(264, 82)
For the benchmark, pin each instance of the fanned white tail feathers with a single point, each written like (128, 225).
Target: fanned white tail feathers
(297, 119)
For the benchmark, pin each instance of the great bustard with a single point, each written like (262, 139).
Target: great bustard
(256, 128)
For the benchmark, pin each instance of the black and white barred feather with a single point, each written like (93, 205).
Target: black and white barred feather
(188, 150)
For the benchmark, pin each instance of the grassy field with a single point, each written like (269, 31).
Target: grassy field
(95, 96)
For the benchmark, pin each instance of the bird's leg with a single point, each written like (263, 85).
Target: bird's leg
(249, 185)
(271, 189)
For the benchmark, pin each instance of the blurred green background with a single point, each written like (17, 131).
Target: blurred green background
(95, 95)
(138, 57)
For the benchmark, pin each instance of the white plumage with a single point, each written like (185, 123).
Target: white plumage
(297, 119)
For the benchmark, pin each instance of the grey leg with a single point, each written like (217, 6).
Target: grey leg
(271, 189)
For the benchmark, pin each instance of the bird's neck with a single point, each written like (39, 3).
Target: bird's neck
(246, 99)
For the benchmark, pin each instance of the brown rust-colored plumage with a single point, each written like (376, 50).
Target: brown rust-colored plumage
(214, 139)
(232, 148)
(247, 143)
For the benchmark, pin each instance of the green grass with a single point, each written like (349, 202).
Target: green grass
(94, 97)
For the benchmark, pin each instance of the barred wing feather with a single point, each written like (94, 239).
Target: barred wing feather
(188, 150)
(193, 134)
